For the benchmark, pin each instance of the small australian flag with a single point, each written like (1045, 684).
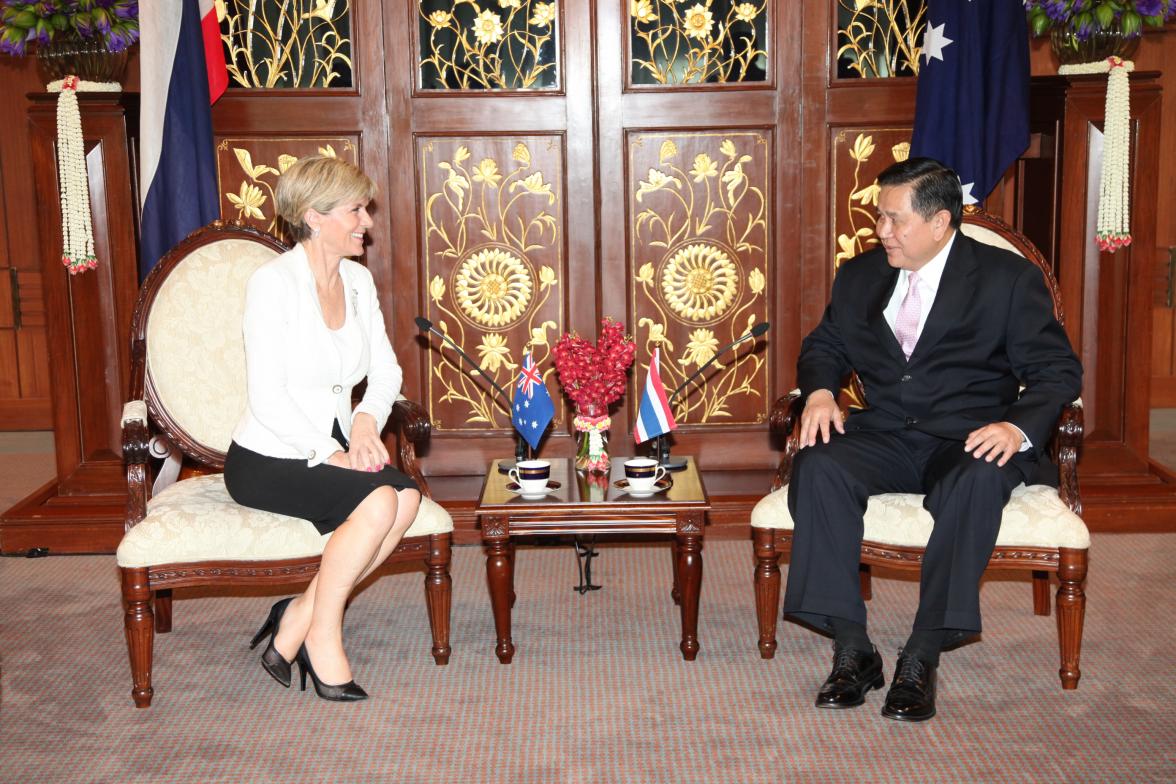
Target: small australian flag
(532, 409)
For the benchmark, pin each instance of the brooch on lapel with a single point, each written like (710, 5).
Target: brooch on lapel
(355, 302)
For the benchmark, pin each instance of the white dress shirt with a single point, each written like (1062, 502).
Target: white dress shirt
(929, 277)
(300, 373)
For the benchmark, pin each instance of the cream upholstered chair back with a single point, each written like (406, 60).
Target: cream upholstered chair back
(195, 384)
(985, 228)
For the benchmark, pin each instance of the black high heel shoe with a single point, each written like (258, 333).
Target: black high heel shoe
(343, 692)
(272, 661)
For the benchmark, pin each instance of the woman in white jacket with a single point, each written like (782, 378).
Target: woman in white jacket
(313, 330)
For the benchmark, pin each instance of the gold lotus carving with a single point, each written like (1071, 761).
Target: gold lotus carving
(488, 227)
(879, 38)
(676, 43)
(471, 45)
(702, 217)
(862, 200)
(286, 43)
(252, 195)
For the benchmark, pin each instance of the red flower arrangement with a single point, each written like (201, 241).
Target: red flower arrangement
(594, 377)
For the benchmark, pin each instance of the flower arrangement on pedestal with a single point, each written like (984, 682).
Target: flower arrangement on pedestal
(1084, 18)
(114, 24)
(594, 378)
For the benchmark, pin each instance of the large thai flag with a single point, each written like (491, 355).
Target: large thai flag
(183, 72)
(654, 417)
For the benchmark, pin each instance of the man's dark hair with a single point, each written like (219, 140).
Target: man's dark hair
(936, 187)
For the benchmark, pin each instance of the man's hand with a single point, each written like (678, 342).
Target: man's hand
(367, 452)
(819, 412)
(998, 441)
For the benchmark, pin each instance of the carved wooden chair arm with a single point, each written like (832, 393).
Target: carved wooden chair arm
(1066, 445)
(782, 422)
(412, 427)
(136, 448)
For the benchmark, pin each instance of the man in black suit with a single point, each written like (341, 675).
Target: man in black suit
(943, 332)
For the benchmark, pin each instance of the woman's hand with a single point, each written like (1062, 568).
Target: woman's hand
(367, 452)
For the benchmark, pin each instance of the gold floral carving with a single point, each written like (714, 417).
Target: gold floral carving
(699, 247)
(685, 42)
(247, 185)
(508, 45)
(492, 239)
(861, 203)
(287, 43)
(880, 38)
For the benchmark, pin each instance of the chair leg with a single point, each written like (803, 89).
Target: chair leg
(1040, 592)
(163, 611)
(1071, 604)
(767, 588)
(865, 580)
(139, 627)
(438, 593)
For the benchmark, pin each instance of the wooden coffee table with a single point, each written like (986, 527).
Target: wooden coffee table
(586, 504)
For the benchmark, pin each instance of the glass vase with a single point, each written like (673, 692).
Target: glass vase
(592, 454)
(1070, 48)
(85, 58)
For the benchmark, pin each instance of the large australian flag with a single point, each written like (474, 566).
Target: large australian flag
(531, 409)
(972, 109)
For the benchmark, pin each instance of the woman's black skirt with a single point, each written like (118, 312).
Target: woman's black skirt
(326, 495)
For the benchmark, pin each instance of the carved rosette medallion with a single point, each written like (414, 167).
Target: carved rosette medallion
(492, 230)
(493, 286)
(699, 255)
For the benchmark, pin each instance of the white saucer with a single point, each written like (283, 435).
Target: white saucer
(533, 496)
(660, 486)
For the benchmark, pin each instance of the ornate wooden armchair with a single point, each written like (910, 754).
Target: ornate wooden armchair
(1041, 529)
(188, 390)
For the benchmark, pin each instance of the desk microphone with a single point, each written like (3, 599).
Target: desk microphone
(424, 325)
(662, 448)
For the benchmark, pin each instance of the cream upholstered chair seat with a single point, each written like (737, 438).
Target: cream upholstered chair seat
(196, 520)
(188, 392)
(1034, 517)
(1041, 529)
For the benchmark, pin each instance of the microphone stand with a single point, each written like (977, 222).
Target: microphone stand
(661, 446)
(522, 448)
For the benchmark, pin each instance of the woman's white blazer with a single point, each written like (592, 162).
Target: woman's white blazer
(298, 384)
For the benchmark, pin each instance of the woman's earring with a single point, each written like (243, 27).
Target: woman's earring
(314, 232)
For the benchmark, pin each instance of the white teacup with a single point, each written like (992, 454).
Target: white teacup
(642, 474)
(532, 476)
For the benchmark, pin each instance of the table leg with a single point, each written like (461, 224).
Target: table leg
(676, 589)
(690, 575)
(499, 579)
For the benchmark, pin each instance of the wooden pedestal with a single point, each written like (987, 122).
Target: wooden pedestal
(89, 318)
(1108, 303)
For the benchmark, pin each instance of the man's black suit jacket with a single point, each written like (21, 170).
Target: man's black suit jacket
(990, 330)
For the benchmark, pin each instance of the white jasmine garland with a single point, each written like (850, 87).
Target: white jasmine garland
(77, 229)
(1114, 207)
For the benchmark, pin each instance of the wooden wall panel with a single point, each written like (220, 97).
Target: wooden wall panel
(700, 205)
(493, 230)
(247, 171)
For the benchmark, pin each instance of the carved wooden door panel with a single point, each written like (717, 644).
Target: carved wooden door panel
(564, 162)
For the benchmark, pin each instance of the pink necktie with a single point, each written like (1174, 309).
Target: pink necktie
(906, 324)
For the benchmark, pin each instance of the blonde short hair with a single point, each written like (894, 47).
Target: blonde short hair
(319, 183)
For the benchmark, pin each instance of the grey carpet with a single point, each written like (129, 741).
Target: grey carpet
(597, 691)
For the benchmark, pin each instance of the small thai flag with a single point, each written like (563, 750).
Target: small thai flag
(654, 417)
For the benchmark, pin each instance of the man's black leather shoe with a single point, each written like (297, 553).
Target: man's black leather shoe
(912, 692)
(854, 673)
